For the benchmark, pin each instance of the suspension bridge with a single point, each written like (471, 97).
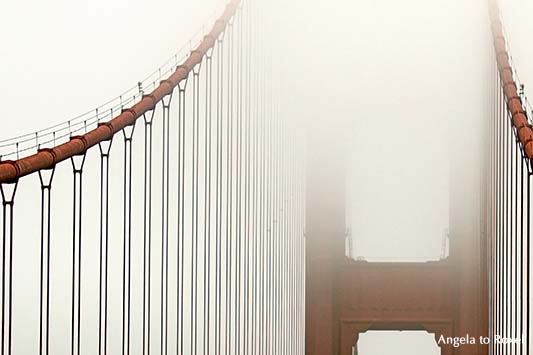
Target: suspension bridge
(189, 215)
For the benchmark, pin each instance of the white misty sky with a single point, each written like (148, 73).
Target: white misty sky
(60, 58)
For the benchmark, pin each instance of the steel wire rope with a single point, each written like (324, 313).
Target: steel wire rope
(92, 116)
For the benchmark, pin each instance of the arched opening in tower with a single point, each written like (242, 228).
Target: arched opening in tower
(396, 342)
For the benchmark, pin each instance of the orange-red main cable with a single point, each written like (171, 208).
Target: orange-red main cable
(11, 171)
(514, 103)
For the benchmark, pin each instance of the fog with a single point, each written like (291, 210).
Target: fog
(402, 83)
(399, 87)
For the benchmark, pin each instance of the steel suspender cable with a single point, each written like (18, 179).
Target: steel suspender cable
(268, 238)
(506, 223)
(301, 244)
(46, 177)
(252, 117)
(226, 187)
(283, 240)
(197, 209)
(273, 232)
(286, 237)
(288, 217)
(522, 172)
(229, 188)
(521, 256)
(247, 200)
(496, 223)
(207, 203)
(490, 200)
(165, 185)
(500, 213)
(126, 266)
(494, 198)
(264, 201)
(508, 238)
(519, 300)
(147, 232)
(194, 208)
(516, 299)
(268, 196)
(261, 192)
(77, 168)
(294, 257)
(497, 213)
(288, 229)
(234, 202)
(219, 193)
(502, 222)
(528, 235)
(105, 148)
(179, 265)
(286, 240)
(299, 238)
(281, 237)
(511, 234)
(255, 221)
(491, 299)
(512, 247)
(179, 248)
(181, 211)
(8, 191)
(238, 184)
(277, 238)
(500, 207)
(238, 180)
(294, 249)
(510, 231)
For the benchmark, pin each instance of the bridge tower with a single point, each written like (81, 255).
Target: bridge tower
(345, 298)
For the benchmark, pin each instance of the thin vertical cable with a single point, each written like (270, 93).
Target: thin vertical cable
(218, 193)
(127, 133)
(505, 297)
(229, 188)
(238, 192)
(522, 172)
(45, 178)
(493, 95)
(499, 218)
(527, 164)
(194, 208)
(105, 148)
(8, 192)
(261, 205)
(269, 233)
(77, 167)
(255, 220)
(207, 201)
(516, 196)
(248, 164)
(181, 211)
(165, 190)
(147, 229)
